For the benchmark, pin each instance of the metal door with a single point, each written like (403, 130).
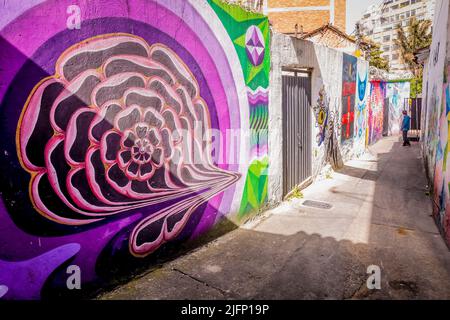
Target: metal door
(415, 108)
(297, 158)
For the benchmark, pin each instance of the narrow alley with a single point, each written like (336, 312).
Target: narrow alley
(217, 150)
(380, 215)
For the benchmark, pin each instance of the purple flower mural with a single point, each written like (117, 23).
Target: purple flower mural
(111, 139)
(102, 161)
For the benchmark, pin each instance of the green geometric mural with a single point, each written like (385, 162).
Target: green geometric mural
(236, 21)
(250, 35)
(255, 190)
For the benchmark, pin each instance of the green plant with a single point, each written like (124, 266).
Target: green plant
(295, 193)
(416, 85)
(375, 58)
(415, 36)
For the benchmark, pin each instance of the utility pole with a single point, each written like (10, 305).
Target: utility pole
(358, 36)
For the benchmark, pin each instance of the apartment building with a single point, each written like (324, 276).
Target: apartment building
(379, 23)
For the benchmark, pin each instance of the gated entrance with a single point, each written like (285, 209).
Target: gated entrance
(415, 109)
(297, 166)
(386, 117)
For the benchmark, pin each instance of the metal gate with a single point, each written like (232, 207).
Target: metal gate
(386, 117)
(297, 166)
(415, 108)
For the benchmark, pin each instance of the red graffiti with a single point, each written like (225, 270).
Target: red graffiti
(348, 118)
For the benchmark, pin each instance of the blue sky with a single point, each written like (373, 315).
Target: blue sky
(355, 9)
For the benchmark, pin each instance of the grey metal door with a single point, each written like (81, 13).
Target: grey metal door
(297, 165)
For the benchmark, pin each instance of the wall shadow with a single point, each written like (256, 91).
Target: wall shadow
(288, 256)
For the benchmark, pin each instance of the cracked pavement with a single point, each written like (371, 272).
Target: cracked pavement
(380, 215)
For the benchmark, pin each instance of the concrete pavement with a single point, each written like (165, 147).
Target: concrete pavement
(380, 215)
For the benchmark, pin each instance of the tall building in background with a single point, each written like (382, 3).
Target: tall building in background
(304, 16)
(379, 23)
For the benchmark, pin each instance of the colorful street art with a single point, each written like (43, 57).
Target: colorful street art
(321, 111)
(441, 185)
(436, 117)
(375, 113)
(249, 33)
(328, 125)
(348, 97)
(432, 126)
(397, 92)
(362, 90)
(107, 155)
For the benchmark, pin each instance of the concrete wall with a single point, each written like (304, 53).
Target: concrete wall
(437, 106)
(330, 69)
(102, 166)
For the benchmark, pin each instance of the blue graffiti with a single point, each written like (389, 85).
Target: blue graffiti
(362, 87)
(447, 100)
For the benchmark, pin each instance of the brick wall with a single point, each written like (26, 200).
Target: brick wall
(311, 19)
(332, 40)
(297, 3)
(340, 12)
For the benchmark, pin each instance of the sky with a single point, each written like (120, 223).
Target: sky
(355, 9)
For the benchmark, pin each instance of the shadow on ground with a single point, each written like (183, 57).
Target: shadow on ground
(380, 216)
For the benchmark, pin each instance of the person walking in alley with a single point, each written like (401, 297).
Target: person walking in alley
(406, 122)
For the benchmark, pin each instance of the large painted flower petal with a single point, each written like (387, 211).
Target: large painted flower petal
(124, 158)
(127, 118)
(35, 128)
(104, 121)
(125, 63)
(154, 136)
(164, 90)
(110, 146)
(117, 122)
(92, 53)
(77, 135)
(114, 88)
(143, 97)
(146, 171)
(169, 59)
(75, 96)
(157, 157)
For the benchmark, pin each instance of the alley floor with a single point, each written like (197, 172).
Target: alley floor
(380, 215)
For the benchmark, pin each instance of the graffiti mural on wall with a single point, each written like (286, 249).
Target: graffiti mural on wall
(435, 120)
(375, 111)
(432, 126)
(441, 183)
(250, 36)
(101, 159)
(321, 111)
(348, 96)
(328, 126)
(397, 93)
(118, 134)
(362, 95)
